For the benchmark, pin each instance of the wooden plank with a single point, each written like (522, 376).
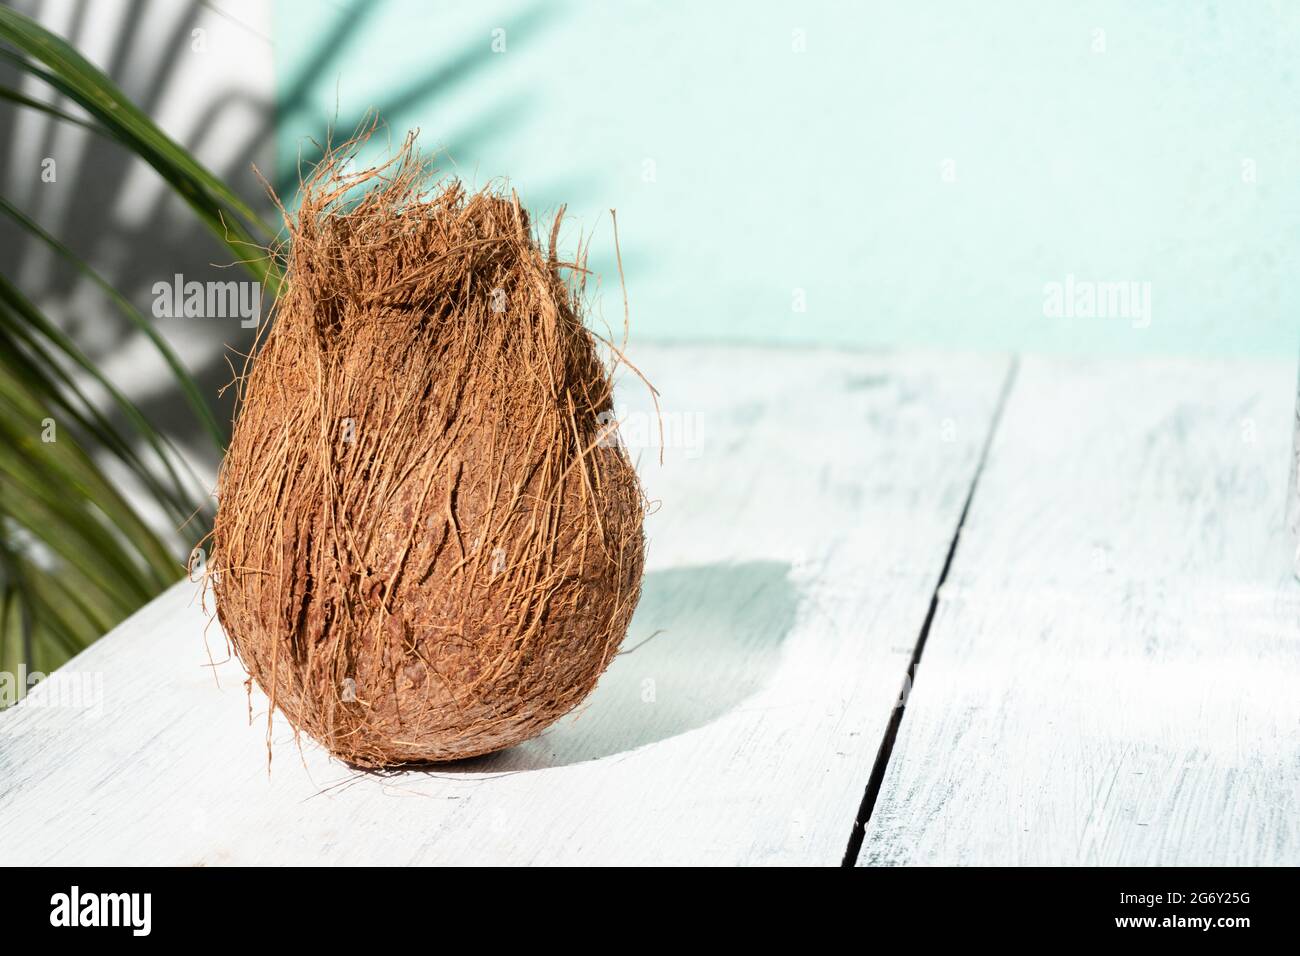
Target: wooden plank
(803, 524)
(1112, 674)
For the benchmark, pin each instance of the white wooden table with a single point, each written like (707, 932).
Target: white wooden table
(1109, 671)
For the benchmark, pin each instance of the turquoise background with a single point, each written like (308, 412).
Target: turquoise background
(822, 170)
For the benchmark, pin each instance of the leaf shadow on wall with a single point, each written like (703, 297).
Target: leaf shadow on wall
(704, 639)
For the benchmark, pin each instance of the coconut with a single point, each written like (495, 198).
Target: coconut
(428, 546)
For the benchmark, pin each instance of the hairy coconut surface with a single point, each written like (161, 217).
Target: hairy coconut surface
(426, 545)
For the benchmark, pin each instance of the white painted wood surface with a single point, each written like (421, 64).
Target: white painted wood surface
(806, 512)
(1113, 673)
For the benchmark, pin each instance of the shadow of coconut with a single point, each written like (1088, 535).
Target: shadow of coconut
(703, 640)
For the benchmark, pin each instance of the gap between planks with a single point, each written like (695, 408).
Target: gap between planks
(886, 750)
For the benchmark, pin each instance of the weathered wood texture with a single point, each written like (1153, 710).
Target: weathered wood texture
(807, 506)
(1113, 673)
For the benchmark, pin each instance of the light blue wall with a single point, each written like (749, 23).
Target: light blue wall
(823, 170)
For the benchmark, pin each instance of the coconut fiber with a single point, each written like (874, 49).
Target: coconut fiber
(426, 545)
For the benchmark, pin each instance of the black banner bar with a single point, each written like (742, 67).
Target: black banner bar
(1218, 906)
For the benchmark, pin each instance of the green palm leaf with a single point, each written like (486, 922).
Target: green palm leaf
(76, 556)
(21, 99)
(182, 376)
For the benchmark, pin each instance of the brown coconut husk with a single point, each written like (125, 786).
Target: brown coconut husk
(425, 547)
